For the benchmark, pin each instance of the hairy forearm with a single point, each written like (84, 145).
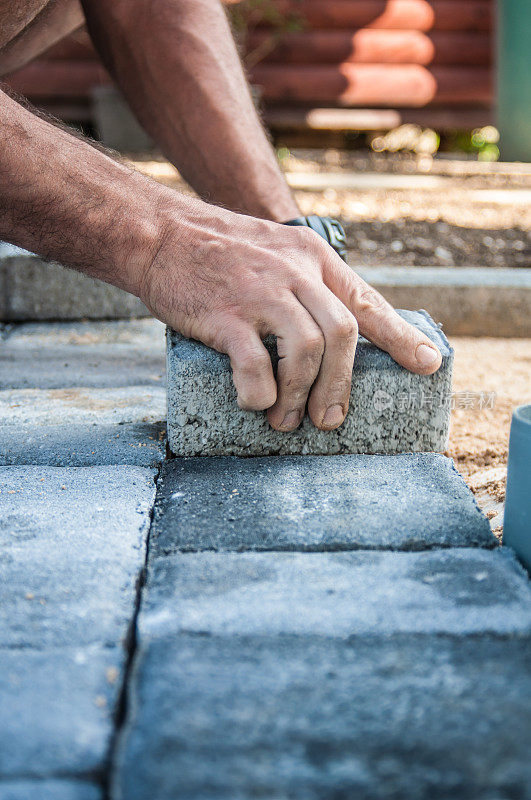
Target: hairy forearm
(177, 64)
(66, 200)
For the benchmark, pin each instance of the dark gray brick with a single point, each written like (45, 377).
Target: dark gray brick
(461, 591)
(409, 502)
(307, 718)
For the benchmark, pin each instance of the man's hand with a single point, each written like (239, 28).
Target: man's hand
(230, 280)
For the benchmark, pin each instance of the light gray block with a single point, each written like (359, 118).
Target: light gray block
(467, 301)
(459, 592)
(57, 712)
(141, 445)
(73, 544)
(35, 289)
(204, 419)
(349, 502)
(82, 406)
(49, 790)
(90, 354)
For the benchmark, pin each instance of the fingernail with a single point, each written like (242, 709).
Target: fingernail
(291, 420)
(334, 416)
(426, 356)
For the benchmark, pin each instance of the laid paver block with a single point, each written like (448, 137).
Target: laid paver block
(459, 592)
(57, 710)
(468, 301)
(96, 354)
(49, 790)
(35, 289)
(305, 718)
(73, 544)
(345, 502)
(204, 419)
(140, 444)
(82, 406)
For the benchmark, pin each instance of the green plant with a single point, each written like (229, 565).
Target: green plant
(247, 16)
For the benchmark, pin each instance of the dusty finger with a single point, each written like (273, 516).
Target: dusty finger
(252, 371)
(380, 323)
(329, 397)
(300, 346)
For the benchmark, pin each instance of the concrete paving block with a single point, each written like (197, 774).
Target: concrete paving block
(141, 445)
(57, 711)
(35, 289)
(468, 301)
(94, 354)
(391, 410)
(82, 406)
(459, 592)
(73, 545)
(349, 502)
(306, 718)
(49, 790)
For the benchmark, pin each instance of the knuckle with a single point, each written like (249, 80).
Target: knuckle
(255, 363)
(345, 330)
(313, 345)
(365, 298)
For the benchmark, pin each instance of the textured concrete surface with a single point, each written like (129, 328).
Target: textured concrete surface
(409, 502)
(330, 675)
(204, 419)
(34, 289)
(141, 445)
(467, 301)
(49, 790)
(306, 718)
(83, 354)
(57, 710)
(460, 592)
(82, 406)
(73, 545)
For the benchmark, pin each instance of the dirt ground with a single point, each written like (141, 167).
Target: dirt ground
(491, 377)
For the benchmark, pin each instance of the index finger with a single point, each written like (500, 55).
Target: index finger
(379, 322)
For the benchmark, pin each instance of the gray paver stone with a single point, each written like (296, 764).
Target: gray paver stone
(141, 444)
(57, 710)
(347, 502)
(49, 790)
(204, 419)
(73, 545)
(462, 591)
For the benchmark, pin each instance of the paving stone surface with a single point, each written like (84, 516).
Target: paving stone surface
(73, 543)
(467, 301)
(462, 592)
(34, 289)
(204, 419)
(331, 675)
(96, 354)
(140, 444)
(49, 790)
(82, 406)
(294, 718)
(57, 710)
(408, 502)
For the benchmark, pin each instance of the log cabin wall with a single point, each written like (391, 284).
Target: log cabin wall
(430, 61)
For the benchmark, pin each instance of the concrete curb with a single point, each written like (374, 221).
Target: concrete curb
(34, 289)
(468, 301)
